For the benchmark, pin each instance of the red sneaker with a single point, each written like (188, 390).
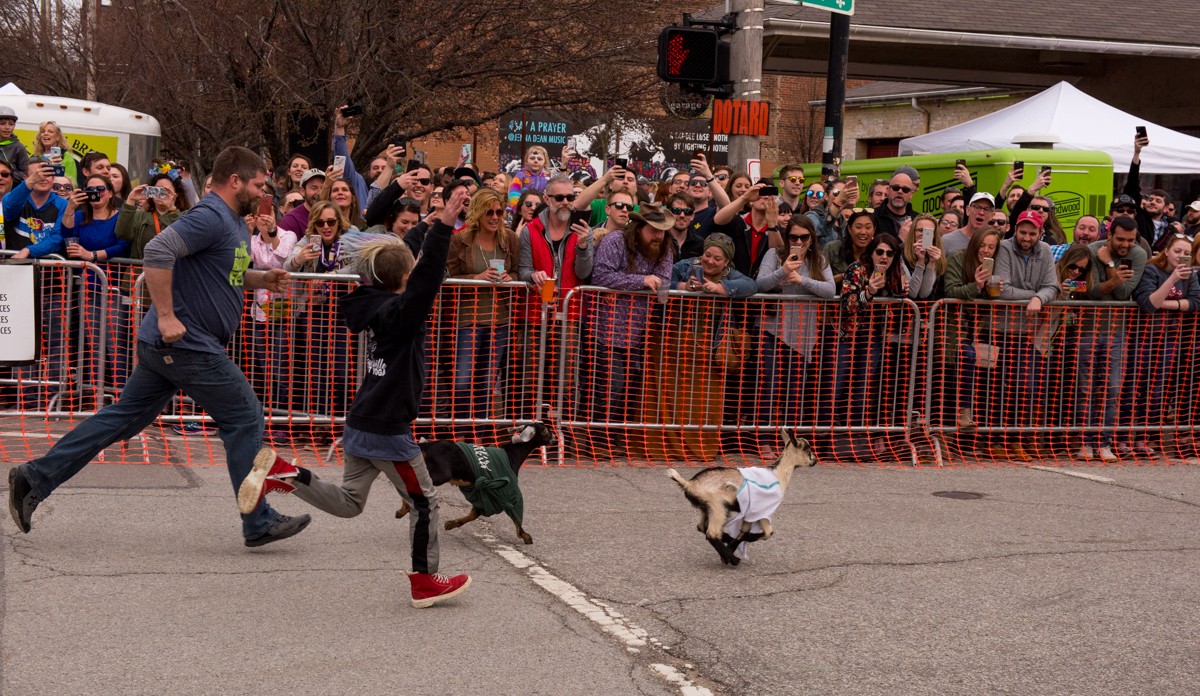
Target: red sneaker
(430, 588)
(269, 475)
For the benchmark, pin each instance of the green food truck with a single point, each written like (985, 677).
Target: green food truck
(1081, 181)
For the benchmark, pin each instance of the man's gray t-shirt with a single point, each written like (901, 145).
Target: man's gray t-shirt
(955, 241)
(207, 282)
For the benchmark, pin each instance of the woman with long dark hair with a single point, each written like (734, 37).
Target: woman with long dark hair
(793, 266)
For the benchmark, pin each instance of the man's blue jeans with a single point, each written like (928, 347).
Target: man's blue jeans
(1098, 392)
(212, 380)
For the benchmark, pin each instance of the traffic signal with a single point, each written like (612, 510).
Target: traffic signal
(697, 57)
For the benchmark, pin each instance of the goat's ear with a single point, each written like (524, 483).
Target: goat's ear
(524, 435)
(789, 438)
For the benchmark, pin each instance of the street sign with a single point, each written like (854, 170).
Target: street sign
(840, 6)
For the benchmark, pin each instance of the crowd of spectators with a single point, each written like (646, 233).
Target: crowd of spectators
(710, 233)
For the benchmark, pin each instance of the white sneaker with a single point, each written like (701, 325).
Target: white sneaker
(1106, 455)
(1086, 454)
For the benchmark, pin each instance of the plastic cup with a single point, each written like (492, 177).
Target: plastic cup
(993, 287)
(663, 292)
(68, 241)
(548, 291)
(497, 265)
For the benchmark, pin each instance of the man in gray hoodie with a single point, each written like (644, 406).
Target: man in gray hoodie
(1026, 267)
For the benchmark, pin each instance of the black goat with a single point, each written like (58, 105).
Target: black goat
(489, 484)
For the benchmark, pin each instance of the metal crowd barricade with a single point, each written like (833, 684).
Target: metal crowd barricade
(74, 304)
(1076, 375)
(697, 377)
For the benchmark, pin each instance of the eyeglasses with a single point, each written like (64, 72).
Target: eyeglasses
(627, 207)
(325, 223)
(494, 212)
(722, 176)
(682, 211)
(886, 253)
(560, 197)
(815, 194)
(898, 188)
(870, 211)
(530, 204)
(698, 182)
(795, 180)
(5, 175)
(1077, 268)
(423, 182)
(996, 223)
(835, 192)
(1180, 235)
(95, 189)
(1127, 211)
(62, 187)
(799, 237)
(1040, 208)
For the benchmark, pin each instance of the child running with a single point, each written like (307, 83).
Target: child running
(391, 307)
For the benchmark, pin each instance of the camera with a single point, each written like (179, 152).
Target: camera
(769, 191)
(155, 192)
(94, 193)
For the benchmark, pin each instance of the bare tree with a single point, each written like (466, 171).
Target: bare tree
(265, 73)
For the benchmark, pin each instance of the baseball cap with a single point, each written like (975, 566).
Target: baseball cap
(311, 174)
(981, 196)
(1194, 205)
(909, 172)
(1123, 200)
(7, 112)
(1030, 216)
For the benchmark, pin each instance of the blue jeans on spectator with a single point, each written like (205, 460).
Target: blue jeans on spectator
(211, 379)
(480, 354)
(858, 359)
(1100, 357)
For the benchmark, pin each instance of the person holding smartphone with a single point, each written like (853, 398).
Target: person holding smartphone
(793, 266)
(50, 137)
(924, 258)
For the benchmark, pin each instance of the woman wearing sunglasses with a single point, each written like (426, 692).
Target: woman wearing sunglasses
(484, 250)
(527, 206)
(794, 267)
(813, 197)
(321, 350)
(863, 330)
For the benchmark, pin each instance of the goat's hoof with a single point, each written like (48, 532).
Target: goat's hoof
(401, 512)
(734, 561)
(526, 538)
(449, 525)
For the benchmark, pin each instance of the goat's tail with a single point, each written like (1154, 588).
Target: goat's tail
(683, 483)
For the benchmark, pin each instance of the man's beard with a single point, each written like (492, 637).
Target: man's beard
(247, 203)
(649, 248)
(563, 214)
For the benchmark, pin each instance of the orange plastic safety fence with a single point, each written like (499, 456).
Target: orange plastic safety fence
(624, 377)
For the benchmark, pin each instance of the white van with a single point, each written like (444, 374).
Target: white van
(126, 136)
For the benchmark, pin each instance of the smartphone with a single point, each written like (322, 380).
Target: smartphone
(399, 141)
(155, 193)
(623, 162)
(698, 154)
(584, 216)
(989, 264)
(93, 193)
(1075, 285)
(795, 252)
(697, 274)
(465, 153)
(927, 237)
(1018, 166)
(1046, 168)
(352, 110)
(58, 169)
(1141, 131)
(1126, 263)
(266, 206)
(960, 163)
(339, 162)
(769, 191)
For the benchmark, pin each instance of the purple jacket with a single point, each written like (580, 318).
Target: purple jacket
(621, 319)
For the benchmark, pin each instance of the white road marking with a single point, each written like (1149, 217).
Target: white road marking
(1076, 474)
(633, 637)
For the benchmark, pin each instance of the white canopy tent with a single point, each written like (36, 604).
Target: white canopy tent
(1072, 120)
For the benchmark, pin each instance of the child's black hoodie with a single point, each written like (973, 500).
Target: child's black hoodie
(390, 394)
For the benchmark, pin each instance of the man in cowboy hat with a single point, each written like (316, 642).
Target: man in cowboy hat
(637, 258)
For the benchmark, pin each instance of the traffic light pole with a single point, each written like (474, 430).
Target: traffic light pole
(835, 93)
(745, 71)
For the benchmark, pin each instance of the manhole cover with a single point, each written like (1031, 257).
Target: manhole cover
(959, 495)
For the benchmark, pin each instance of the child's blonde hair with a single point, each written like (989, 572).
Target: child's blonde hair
(381, 260)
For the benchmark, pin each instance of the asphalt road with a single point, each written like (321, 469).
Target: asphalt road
(134, 581)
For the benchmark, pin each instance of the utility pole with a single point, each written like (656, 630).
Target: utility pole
(835, 93)
(745, 70)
